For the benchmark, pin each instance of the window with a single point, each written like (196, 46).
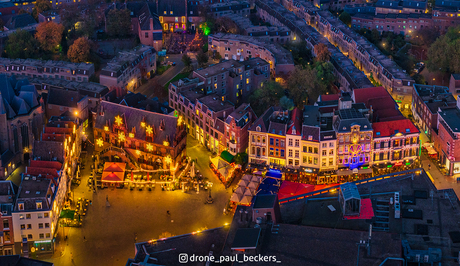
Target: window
(324, 145)
(297, 143)
(277, 153)
(23, 226)
(47, 225)
(39, 205)
(331, 144)
(297, 154)
(282, 153)
(21, 216)
(6, 224)
(21, 206)
(40, 225)
(29, 226)
(47, 215)
(277, 142)
(315, 150)
(315, 161)
(290, 153)
(331, 152)
(324, 152)
(282, 143)
(7, 238)
(271, 141)
(290, 142)
(271, 151)
(29, 236)
(304, 148)
(28, 216)
(48, 235)
(42, 235)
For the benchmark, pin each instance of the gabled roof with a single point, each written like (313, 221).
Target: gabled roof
(295, 123)
(364, 95)
(20, 21)
(178, 8)
(310, 133)
(63, 97)
(391, 128)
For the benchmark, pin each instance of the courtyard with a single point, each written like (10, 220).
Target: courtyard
(136, 216)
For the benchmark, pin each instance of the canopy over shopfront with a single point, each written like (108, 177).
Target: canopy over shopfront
(429, 148)
(226, 156)
(268, 186)
(113, 172)
(67, 214)
(273, 173)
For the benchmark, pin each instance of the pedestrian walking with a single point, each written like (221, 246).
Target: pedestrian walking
(71, 256)
(107, 198)
(84, 238)
(90, 202)
(168, 213)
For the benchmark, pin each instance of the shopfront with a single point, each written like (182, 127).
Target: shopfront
(346, 175)
(327, 177)
(42, 246)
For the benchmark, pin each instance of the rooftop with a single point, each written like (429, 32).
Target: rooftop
(282, 56)
(91, 89)
(451, 116)
(246, 238)
(214, 103)
(125, 59)
(264, 201)
(44, 63)
(391, 128)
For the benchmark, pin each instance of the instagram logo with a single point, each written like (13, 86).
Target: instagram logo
(183, 258)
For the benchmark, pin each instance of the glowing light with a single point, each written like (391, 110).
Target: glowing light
(165, 143)
(142, 124)
(149, 130)
(100, 142)
(118, 120)
(76, 113)
(179, 120)
(149, 147)
(131, 135)
(138, 152)
(106, 128)
(121, 136)
(168, 159)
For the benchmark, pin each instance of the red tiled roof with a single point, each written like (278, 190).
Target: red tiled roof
(389, 128)
(41, 171)
(46, 164)
(296, 122)
(364, 95)
(58, 130)
(53, 137)
(330, 97)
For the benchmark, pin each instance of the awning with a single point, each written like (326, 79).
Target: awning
(226, 156)
(351, 172)
(67, 214)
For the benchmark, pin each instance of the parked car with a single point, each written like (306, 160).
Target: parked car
(419, 67)
(173, 63)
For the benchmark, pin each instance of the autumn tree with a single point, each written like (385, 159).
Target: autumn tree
(268, 95)
(119, 23)
(322, 52)
(79, 51)
(39, 7)
(303, 85)
(227, 25)
(21, 44)
(49, 35)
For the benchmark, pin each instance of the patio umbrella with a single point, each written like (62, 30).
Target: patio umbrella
(253, 185)
(240, 190)
(243, 183)
(248, 192)
(192, 170)
(235, 197)
(132, 176)
(148, 177)
(255, 179)
(246, 200)
(246, 177)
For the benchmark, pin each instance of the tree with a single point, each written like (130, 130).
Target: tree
(39, 7)
(22, 11)
(186, 60)
(202, 58)
(225, 24)
(322, 52)
(303, 84)
(325, 73)
(86, 27)
(286, 103)
(119, 23)
(79, 51)
(426, 36)
(49, 35)
(444, 53)
(345, 18)
(268, 95)
(21, 44)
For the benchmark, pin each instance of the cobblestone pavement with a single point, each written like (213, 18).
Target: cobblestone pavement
(108, 234)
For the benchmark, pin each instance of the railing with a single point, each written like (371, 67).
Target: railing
(359, 182)
(121, 150)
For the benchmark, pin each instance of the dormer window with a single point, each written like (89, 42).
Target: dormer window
(310, 137)
(39, 205)
(258, 128)
(21, 206)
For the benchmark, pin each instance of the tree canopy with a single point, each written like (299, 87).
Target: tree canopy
(444, 53)
(39, 7)
(322, 52)
(303, 84)
(268, 95)
(21, 44)
(186, 60)
(49, 35)
(202, 58)
(345, 18)
(79, 51)
(119, 23)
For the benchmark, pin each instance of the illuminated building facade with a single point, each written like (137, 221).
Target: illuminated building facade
(142, 137)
